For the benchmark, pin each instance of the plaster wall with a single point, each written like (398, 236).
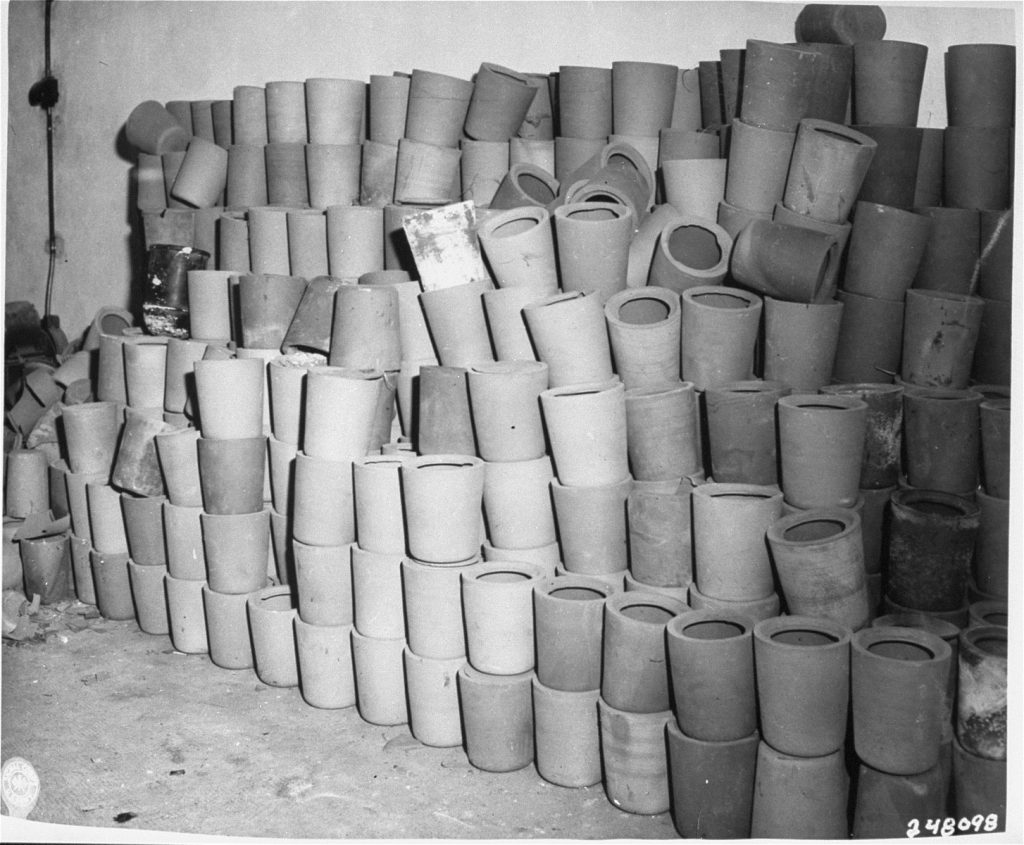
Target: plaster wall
(109, 56)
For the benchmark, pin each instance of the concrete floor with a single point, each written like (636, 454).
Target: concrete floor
(120, 725)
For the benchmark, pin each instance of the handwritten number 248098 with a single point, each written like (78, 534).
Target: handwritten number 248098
(950, 826)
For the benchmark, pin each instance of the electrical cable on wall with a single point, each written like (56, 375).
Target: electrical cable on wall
(29, 341)
(45, 94)
(51, 210)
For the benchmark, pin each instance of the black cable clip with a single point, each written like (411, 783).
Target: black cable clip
(44, 93)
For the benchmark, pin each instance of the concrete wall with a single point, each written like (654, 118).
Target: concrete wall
(109, 56)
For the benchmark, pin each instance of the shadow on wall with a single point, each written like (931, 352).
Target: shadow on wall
(135, 240)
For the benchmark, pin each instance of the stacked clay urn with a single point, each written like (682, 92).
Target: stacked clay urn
(161, 603)
(342, 411)
(115, 486)
(45, 565)
(656, 477)
(713, 737)
(442, 495)
(91, 433)
(230, 445)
